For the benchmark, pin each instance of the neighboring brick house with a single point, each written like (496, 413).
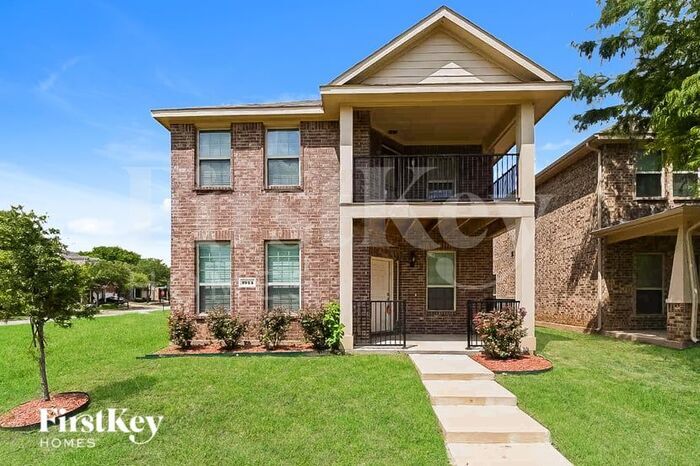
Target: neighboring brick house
(384, 194)
(608, 200)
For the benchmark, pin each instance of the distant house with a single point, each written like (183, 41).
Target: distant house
(77, 258)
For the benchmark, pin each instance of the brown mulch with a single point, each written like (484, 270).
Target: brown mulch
(525, 363)
(27, 414)
(217, 348)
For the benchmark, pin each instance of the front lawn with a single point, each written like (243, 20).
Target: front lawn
(614, 402)
(220, 410)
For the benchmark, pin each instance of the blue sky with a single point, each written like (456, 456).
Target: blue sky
(77, 81)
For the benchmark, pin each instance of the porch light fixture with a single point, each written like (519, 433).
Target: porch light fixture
(412, 259)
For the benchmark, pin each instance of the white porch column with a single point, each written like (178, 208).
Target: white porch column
(525, 145)
(525, 275)
(679, 290)
(346, 175)
(346, 276)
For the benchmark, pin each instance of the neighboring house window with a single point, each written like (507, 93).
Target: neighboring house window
(648, 272)
(214, 159)
(441, 280)
(648, 176)
(282, 150)
(283, 275)
(685, 183)
(214, 275)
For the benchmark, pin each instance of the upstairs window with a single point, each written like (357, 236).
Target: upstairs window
(283, 275)
(648, 273)
(214, 159)
(441, 281)
(648, 175)
(282, 149)
(685, 184)
(214, 275)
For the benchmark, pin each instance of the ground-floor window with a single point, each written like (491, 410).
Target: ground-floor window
(441, 280)
(648, 272)
(283, 275)
(213, 275)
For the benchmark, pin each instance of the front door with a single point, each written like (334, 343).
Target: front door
(381, 292)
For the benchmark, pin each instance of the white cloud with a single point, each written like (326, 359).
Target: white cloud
(89, 217)
(46, 84)
(166, 205)
(551, 146)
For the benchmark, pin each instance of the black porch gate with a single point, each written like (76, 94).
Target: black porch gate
(475, 307)
(383, 321)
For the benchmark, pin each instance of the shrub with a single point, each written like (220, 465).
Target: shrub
(501, 332)
(183, 328)
(273, 326)
(322, 328)
(223, 326)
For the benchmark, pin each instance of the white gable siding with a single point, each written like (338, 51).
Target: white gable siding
(440, 59)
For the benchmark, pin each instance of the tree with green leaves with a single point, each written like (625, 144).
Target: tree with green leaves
(158, 273)
(104, 274)
(35, 280)
(660, 93)
(113, 254)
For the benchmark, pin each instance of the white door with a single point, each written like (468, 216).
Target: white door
(382, 289)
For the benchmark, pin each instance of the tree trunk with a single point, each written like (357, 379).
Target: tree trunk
(42, 359)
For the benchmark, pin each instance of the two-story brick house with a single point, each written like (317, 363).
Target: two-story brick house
(614, 243)
(384, 194)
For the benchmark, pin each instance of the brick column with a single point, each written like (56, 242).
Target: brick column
(678, 321)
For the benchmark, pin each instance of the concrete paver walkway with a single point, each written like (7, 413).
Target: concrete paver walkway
(479, 418)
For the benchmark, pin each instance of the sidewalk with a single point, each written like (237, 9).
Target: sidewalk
(133, 309)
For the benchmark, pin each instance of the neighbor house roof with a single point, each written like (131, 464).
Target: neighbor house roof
(663, 222)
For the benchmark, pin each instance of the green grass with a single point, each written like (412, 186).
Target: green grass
(221, 410)
(613, 402)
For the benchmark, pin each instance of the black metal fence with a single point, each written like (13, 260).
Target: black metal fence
(475, 307)
(445, 178)
(383, 321)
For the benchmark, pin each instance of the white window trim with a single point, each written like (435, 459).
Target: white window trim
(453, 286)
(290, 157)
(200, 284)
(198, 181)
(267, 281)
(683, 172)
(662, 289)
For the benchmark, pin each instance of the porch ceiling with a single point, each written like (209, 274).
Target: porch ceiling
(451, 229)
(663, 223)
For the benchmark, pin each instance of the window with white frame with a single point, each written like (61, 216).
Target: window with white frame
(214, 159)
(441, 280)
(649, 286)
(685, 183)
(283, 275)
(648, 174)
(213, 275)
(282, 149)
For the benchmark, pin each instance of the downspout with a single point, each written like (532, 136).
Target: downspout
(599, 221)
(693, 282)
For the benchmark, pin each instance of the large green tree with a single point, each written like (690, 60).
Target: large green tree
(659, 93)
(113, 254)
(155, 269)
(36, 282)
(104, 274)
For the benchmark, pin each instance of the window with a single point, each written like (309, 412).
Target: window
(648, 273)
(214, 159)
(685, 183)
(214, 275)
(283, 275)
(648, 176)
(441, 281)
(282, 150)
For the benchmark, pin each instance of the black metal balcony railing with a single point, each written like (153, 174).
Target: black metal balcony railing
(475, 307)
(383, 321)
(444, 178)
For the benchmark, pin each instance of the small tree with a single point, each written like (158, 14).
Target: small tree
(35, 280)
(107, 274)
(157, 272)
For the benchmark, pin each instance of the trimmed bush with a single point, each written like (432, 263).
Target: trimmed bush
(311, 321)
(183, 328)
(273, 326)
(501, 331)
(223, 326)
(322, 327)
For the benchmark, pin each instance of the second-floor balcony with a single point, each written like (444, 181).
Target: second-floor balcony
(435, 178)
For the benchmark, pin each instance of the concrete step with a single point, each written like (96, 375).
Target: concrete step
(524, 454)
(449, 367)
(468, 392)
(489, 424)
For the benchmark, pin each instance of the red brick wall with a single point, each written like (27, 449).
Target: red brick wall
(249, 214)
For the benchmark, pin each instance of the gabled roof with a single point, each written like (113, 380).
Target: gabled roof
(462, 30)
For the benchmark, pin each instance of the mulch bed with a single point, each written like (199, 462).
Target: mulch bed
(28, 416)
(525, 364)
(217, 348)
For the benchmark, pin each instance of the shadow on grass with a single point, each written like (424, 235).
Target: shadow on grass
(122, 389)
(544, 337)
